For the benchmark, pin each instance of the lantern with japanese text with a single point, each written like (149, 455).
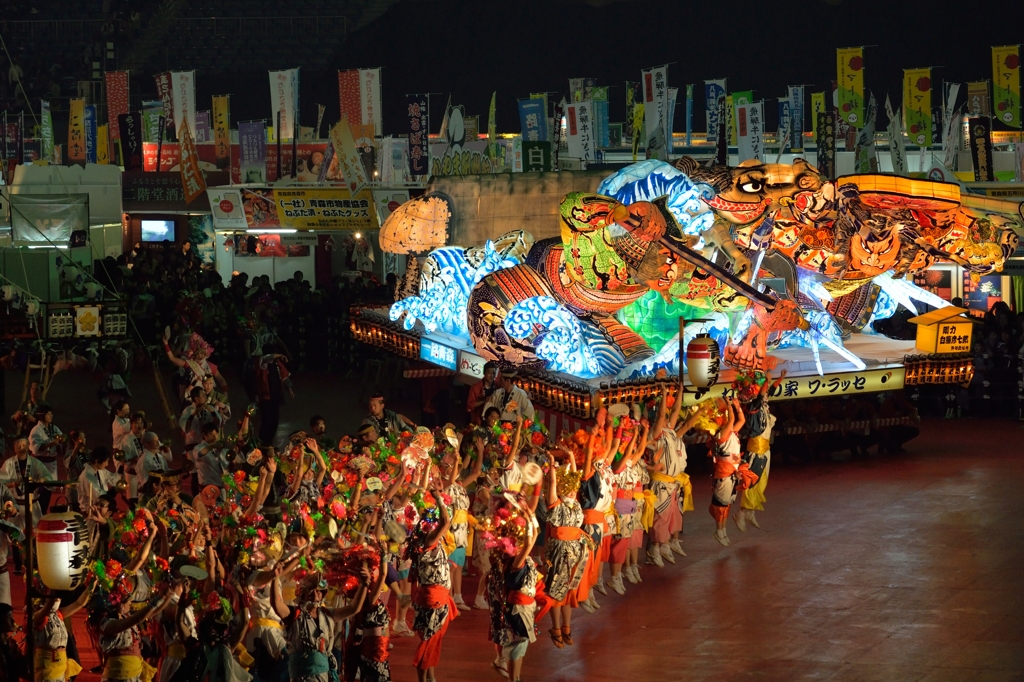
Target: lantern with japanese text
(702, 362)
(62, 549)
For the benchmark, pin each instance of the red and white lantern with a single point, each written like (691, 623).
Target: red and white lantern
(703, 362)
(62, 550)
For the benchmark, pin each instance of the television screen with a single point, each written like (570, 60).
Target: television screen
(157, 230)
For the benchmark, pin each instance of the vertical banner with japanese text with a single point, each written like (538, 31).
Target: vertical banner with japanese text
(827, 144)
(1006, 84)
(117, 100)
(151, 113)
(102, 145)
(796, 113)
(284, 100)
(46, 131)
(977, 99)
(599, 96)
(750, 131)
(252, 151)
(183, 87)
(222, 130)
(131, 146)
(897, 145)
(532, 120)
(359, 97)
(192, 180)
(785, 132)
(76, 131)
(165, 90)
(89, 122)
(655, 85)
(980, 131)
(348, 156)
(850, 80)
(817, 107)
(917, 105)
(580, 130)
(419, 142)
(714, 91)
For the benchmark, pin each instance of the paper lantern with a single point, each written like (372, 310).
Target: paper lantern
(702, 361)
(417, 226)
(62, 549)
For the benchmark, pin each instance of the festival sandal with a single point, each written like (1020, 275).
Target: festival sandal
(499, 665)
(567, 635)
(556, 637)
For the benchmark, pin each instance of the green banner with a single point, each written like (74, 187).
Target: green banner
(151, 113)
(46, 123)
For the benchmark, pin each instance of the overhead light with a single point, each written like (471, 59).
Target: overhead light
(273, 231)
(359, 235)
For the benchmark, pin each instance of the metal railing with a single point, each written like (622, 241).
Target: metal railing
(261, 26)
(52, 28)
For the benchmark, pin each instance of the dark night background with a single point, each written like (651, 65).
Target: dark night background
(469, 48)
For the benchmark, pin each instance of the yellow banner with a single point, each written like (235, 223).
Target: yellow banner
(325, 209)
(814, 386)
(1006, 84)
(102, 146)
(817, 107)
(348, 157)
(850, 83)
(222, 130)
(76, 131)
(917, 105)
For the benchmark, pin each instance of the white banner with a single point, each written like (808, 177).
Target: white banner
(284, 100)
(655, 84)
(580, 130)
(950, 136)
(897, 145)
(226, 207)
(183, 99)
(796, 117)
(750, 131)
(369, 99)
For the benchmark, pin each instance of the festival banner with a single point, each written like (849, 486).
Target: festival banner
(730, 108)
(827, 144)
(714, 91)
(102, 145)
(950, 124)
(284, 101)
(492, 127)
(722, 139)
(117, 100)
(850, 77)
(151, 113)
(252, 143)
(536, 156)
(325, 208)
(89, 124)
(575, 89)
(655, 84)
(865, 153)
(348, 157)
(580, 130)
(532, 120)
(183, 87)
(131, 145)
(359, 96)
(673, 96)
(46, 131)
(733, 101)
(897, 145)
(796, 120)
(419, 142)
(204, 132)
(599, 96)
(979, 130)
(192, 180)
(637, 125)
(689, 115)
(750, 131)
(545, 121)
(222, 130)
(817, 107)
(978, 100)
(1006, 84)
(165, 91)
(917, 105)
(785, 132)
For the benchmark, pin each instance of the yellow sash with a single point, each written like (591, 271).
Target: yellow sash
(461, 516)
(265, 623)
(758, 445)
(53, 664)
(176, 650)
(128, 667)
(242, 656)
(684, 482)
(647, 513)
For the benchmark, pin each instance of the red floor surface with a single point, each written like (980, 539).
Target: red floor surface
(893, 568)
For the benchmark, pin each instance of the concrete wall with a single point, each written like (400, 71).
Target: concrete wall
(486, 206)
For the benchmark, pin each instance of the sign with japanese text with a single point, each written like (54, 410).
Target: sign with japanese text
(284, 98)
(817, 107)
(1006, 84)
(714, 91)
(89, 125)
(165, 90)
(829, 385)
(850, 81)
(252, 142)
(204, 132)
(827, 144)
(348, 157)
(183, 96)
(192, 179)
(46, 132)
(533, 120)
(470, 364)
(102, 145)
(439, 354)
(222, 130)
(796, 117)
(580, 130)
(359, 97)
(151, 113)
(536, 157)
(977, 99)
(327, 208)
(750, 130)
(655, 84)
(917, 105)
(979, 131)
(419, 129)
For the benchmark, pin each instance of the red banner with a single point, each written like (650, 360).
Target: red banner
(192, 179)
(117, 101)
(349, 96)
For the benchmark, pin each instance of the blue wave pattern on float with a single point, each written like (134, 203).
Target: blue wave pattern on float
(650, 180)
(567, 343)
(445, 284)
(821, 324)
